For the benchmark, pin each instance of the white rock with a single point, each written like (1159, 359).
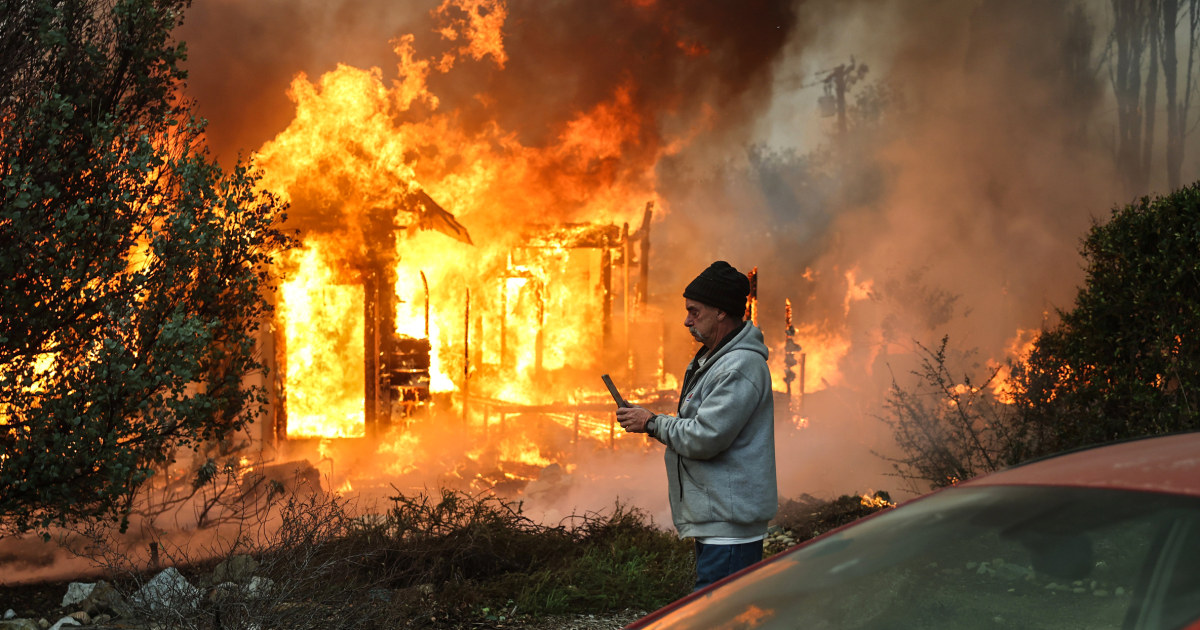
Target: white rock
(77, 592)
(259, 587)
(168, 589)
(65, 621)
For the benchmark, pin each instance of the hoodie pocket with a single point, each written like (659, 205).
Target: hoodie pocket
(695, 497)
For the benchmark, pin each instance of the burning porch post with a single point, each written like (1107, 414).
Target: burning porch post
(626, 251)
(279, 435)
(466, 386)
(379, 311)
(643, 236)
(641, 352)
(606, 288)
(752, 299)
(790, 348)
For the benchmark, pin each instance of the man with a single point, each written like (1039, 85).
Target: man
(720, 451)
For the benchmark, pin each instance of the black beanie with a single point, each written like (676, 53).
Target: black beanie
(721, 286)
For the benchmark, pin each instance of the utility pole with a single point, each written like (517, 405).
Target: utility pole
(837, 81)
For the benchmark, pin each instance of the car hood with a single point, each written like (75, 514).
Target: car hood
(1168, 463)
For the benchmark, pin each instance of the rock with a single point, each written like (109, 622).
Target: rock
(65, 622)
(1010, 571)
(238, 569)
(103, 598)
(77, 592)
(168, 589)
(259, 587)
(10, 613)
(19, 624)
(223, 592)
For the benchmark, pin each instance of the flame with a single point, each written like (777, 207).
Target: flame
(857, 291)
(495, 250)
(323, 332)
(823, 350)
(875, 501)
(401, 451)
(1018, 349)
(481, 27)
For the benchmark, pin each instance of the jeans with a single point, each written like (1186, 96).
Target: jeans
(714, 562)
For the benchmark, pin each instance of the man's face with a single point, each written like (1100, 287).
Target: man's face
(702, 321)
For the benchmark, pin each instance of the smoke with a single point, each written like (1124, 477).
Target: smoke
(973, 164)
(685, 61)
(243, 55)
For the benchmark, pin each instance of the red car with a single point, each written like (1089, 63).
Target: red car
(1107, 537)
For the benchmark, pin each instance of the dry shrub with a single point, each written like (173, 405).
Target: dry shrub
(429, 561)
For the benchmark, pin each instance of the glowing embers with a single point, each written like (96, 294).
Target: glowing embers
(323, 348)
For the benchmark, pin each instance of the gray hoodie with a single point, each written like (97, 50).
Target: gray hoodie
(720, 452)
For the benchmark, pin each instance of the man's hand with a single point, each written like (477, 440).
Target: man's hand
(633, 419)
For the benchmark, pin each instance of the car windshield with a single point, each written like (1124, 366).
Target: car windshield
(980, 557)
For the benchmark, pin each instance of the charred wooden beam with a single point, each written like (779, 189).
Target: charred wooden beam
(606, 290)
(466, 382)
(752, 299)
(644, 256)
(571, 235)
(280, 382)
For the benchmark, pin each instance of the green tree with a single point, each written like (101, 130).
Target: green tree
(134, 271)
(1125, 361)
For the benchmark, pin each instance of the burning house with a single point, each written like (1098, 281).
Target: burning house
(423, 293)
(366, 342)
(373, 342)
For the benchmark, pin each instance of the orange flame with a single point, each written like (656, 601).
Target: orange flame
(323, 332)
(1018, 349)
(462, 219)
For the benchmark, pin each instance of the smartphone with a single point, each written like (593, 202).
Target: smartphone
(612, 389)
